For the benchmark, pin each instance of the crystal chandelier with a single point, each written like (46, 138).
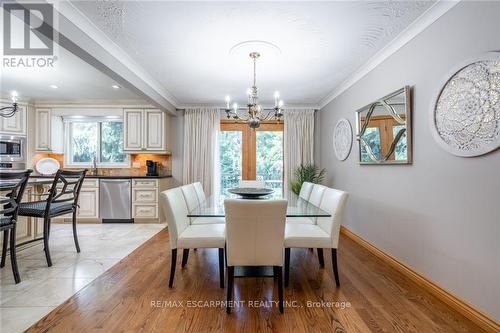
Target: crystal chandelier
(10, 111)
(255, 111)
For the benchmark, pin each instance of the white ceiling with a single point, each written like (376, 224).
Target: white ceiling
(185, 45)
(76, 80)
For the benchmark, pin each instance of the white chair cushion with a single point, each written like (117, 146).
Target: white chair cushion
(306, 235)
(208, 220)
(304, 220)
(202, 236)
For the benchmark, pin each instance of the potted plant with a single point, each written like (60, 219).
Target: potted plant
(307, 173)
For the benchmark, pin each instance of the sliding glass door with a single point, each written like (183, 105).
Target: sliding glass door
(251, 154)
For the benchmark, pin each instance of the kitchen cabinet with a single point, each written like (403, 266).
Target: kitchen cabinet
(89, 203)
(145, 131)
(145, 199)
(49, 136)
(155, 130)
(15, 125)
(132, 129)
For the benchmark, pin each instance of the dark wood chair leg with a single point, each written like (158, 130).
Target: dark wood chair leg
(335, 268)
(287, 266)
(225, 253)
(46, 231)
(230, 280)
(4, 247)
(13, 258)
(275, 273)
(279, 274)
(221, 267)
(185, 255)
(173, 261)
(320, 258)
(75, 236)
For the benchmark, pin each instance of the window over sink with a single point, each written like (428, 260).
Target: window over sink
(96, 138)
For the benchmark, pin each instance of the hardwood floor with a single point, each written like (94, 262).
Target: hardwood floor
(133, 296)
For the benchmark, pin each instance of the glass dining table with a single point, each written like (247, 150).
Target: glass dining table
(213, 206)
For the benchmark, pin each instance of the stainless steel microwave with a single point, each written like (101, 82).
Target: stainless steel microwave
(12, 149)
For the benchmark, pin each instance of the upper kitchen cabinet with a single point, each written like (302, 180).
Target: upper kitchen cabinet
(15, 124)
(145, 130)
(48, 132)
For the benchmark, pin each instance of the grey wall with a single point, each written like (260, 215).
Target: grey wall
(441, 215)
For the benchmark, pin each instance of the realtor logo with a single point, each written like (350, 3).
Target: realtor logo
(28, 29)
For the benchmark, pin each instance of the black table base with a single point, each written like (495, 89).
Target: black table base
(253, 271)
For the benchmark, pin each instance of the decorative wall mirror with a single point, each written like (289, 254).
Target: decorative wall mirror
(384, 129)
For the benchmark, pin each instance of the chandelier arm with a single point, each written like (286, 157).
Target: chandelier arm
(235, 115)
(269, 115)
(8, 111)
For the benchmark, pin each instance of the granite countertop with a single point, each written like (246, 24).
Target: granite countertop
(104, 176)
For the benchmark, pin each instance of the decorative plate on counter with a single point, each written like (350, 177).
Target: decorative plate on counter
(250, 193)
(47, 166)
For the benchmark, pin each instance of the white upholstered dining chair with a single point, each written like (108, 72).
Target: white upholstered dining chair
(305, 190)
(192, 195)
(323, 234)
(200, 193)
(252, 184)
(255, 231)
(185, 235)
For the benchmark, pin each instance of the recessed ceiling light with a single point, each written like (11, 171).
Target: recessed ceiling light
(53, 86)
(114, 86)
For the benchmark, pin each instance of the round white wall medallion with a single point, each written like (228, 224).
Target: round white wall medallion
(466, 113)
(342, 139)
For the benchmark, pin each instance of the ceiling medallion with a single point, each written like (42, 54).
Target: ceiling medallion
(263, 47)
(466, 114)
(255, 112)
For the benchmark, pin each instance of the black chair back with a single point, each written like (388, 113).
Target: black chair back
(72, 182)
(12, 188)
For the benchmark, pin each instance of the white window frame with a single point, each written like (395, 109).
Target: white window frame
(68, 121)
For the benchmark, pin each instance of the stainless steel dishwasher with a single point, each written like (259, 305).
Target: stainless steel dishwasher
(115, 204)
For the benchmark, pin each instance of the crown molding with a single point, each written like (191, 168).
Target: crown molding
(265, 106)
(410, 32)
(20, 102)
(93, 103)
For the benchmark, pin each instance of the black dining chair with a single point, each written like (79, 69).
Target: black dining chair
(62, 199)
(12, 187)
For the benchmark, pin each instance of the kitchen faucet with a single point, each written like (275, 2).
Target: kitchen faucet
(94, 163)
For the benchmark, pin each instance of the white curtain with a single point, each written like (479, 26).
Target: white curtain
(201, 148)
(298, 141)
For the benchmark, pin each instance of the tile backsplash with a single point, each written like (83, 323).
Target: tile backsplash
(137, 165)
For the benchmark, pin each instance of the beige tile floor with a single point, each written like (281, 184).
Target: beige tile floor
(43, 288)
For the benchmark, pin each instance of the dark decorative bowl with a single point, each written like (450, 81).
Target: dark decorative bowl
(249, 192)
